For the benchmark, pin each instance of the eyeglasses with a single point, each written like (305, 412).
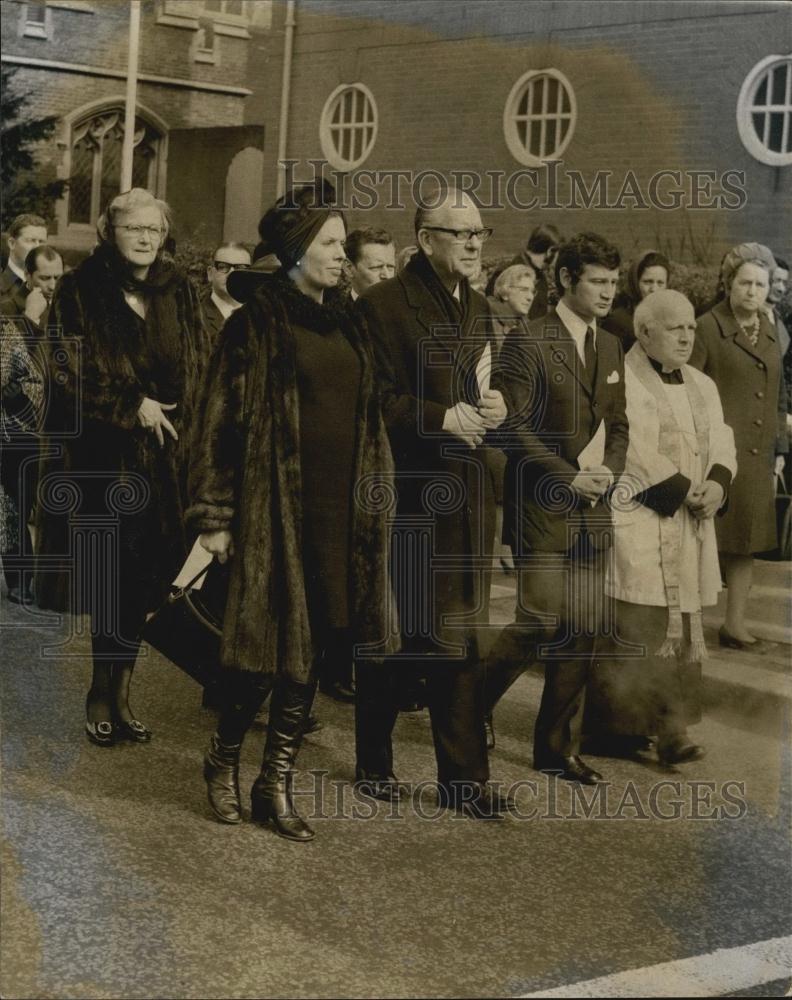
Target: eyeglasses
(224, 267)
(155, 232)
(463, 235)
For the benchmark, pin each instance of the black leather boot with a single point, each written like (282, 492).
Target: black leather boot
(270, 797)
(221, 771)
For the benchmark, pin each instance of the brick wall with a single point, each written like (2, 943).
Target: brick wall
(99, 40)
(656, 87)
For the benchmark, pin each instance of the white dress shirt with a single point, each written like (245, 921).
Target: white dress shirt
(18, 271)
(226, 308)
(577, 328)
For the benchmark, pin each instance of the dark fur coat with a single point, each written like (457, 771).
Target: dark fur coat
(97, 460)
(246, 478)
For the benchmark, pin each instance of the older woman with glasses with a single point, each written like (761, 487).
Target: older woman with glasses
(129, 347)
(736, 346)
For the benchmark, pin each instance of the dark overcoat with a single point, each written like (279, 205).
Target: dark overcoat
(554, 411)
(446, 505)
(9, 280)
(214, 320)
(98, 462)
(245, 478)
(749, 382)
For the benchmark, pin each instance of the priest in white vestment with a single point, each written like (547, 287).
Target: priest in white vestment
(664, 560)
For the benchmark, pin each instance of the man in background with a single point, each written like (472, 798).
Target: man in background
(217, 302)
(25, 232)
(23, 313)
(372, 258)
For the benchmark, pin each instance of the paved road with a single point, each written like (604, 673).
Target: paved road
(118, 883)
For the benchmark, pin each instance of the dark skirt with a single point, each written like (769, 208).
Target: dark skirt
(328, 380)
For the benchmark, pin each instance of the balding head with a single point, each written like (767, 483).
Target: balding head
(665, 326)
(453, 255)
(440, 211)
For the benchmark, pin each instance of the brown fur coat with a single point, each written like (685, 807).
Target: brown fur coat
(97, 460)
(246, 478)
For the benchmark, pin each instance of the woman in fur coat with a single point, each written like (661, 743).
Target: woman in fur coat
(289, 462)
(124, 362)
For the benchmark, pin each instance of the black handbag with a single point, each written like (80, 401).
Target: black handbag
(187, 629)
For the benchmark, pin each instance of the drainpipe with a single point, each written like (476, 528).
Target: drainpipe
(127, 150)
(283, 128)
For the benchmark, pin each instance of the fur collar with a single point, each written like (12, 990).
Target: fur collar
(301, 309)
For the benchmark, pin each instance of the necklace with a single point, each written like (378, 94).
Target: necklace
(751, 329)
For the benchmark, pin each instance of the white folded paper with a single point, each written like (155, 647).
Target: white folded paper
(594, 452)
(196, 561)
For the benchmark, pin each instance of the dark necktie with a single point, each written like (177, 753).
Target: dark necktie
(590, 354)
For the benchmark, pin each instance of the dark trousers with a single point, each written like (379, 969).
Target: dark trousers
(18, 474)
(645, 695)
(558, 618)
(455, 698)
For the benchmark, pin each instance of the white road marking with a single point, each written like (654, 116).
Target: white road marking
(724, 971)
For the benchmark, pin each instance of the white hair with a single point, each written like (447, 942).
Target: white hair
(127, 202)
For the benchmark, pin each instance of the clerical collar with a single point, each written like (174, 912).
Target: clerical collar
(670, 378)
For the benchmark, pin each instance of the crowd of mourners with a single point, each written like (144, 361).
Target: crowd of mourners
(348, 432)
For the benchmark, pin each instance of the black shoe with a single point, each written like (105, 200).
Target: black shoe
(503, 803)
(102, 734)
(19, 596)
(730, 641)
(679, 752)
(134, 731)
(387, 788)
(489, 731)
(471, 799)
(221, 773)
(339, 690)
(569, 769)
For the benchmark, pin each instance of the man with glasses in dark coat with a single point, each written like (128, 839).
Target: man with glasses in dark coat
(434, 353)
(216, 302)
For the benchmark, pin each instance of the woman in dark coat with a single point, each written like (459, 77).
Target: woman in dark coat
(649, 273)
(290, 454)
(125, 360)
(736, 346)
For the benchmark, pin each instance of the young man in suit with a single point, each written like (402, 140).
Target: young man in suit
(25, 232)
(430, 335)
(372, 258)
(566, 441)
